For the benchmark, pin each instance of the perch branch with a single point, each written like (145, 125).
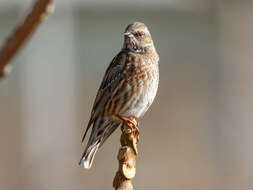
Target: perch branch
(39, 12)
(127, 159)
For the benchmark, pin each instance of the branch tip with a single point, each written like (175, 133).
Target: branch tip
(126, 158)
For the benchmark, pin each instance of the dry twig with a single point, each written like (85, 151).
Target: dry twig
(40, 10)
(127, 159)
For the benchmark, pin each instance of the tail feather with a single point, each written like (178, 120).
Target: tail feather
(101, 130)
(89, 155)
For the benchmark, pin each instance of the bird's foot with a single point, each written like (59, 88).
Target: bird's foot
(132, 124)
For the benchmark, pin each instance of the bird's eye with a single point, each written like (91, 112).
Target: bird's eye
(139, 34)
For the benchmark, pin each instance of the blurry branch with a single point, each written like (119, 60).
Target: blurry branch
(127, 159)
(38, 13)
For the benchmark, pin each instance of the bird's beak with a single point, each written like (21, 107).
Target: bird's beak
(128, 34)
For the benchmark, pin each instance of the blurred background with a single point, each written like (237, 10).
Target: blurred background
(197, 134)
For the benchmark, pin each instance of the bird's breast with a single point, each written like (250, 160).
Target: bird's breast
(142, 83)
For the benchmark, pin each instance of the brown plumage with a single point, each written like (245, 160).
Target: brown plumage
(128, 89)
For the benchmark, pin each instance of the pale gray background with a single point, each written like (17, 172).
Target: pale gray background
(197, 134)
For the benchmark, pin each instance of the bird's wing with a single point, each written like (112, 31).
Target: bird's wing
(113, 75)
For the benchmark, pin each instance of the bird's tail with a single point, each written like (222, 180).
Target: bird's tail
(89, 155)
(101, 130)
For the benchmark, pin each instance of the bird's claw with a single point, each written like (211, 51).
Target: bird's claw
(132, 124)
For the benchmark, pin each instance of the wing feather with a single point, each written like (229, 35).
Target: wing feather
(113, 75)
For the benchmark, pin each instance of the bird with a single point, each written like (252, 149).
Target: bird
(128, 88)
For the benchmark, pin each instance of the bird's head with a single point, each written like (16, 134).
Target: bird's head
(137, 38)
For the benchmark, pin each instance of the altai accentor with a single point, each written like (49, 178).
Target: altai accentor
(128, 89)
